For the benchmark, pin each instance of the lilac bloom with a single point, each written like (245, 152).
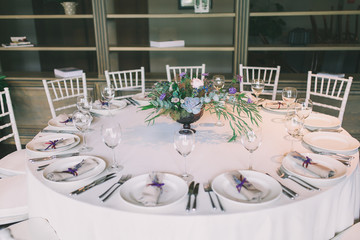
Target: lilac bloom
(232, 90)
(205, 74)
(162, 96)
(249, 100)
(239, 78)
(182, 74)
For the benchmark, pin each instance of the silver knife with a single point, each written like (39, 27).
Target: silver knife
(33, 160)
(285, 188)
(93, 184)
(136, 102)
(191, 189)
(196, 191)
(59, 131)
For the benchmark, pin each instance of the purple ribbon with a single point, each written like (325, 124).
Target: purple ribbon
(52, 144)
(280, 104)
(73, 170)
(307, 162)
(67, 120)
(156, 184)
(103, 103)
(239, 186)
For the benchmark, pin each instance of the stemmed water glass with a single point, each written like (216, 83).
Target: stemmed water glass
(82, 121)
(219, 82)
(184, 144)
(111, 135)
(289, 95)
(84, 103)
(292, 126)
(108, 94)
(303, 109)
(251, 140)
(257, 86)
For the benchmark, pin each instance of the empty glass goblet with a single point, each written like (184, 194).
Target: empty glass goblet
(82, 121)
(303, 109)
(184, 144)
(289, 95)
(219, 82)
(251, 140)
(111, 135)
(84, 103)
(292, 126)
(107, 93)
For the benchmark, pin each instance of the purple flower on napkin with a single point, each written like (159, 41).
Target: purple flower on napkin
(307, 162)
(69, 119)
(52, 144)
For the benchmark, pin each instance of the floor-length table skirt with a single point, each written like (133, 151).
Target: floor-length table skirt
(313, 215)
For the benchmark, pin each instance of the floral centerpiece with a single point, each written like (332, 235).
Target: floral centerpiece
(189, 97)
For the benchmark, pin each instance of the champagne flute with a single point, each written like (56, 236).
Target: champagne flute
(289, 95)
(82, 121)
(303, 109)
(84, 103)
(251, 140)
(293, 127)
(257, 86)
(219, 82)
(184, 144)
(108, 94)
(111, 135)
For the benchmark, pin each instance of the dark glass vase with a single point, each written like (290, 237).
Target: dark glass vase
(190, 118)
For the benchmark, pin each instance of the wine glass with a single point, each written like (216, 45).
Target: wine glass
(111, 135)
(289, 96)
(293, 127)
(303, 109)
(108, 93)
(184, 144)
(82, 121)
(257, 86)
(219, 82)
(251, 140)
(84, 103)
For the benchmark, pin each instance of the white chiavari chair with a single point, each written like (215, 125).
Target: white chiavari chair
(173, 72)
(270, 75)
(329, 91)
(62, 91)
(8, 119)
(126, 81)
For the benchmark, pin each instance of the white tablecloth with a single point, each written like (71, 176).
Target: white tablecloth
(313, 215)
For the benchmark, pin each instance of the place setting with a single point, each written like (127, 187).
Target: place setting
(107, 105)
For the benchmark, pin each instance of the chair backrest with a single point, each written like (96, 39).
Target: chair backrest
(269, 74)
(126, 80)
(7, 118)
(173, 72)
(327, 88)
(62, 90)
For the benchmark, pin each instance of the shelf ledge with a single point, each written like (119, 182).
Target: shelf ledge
(185, 15)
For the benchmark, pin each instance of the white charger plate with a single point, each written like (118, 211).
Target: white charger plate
(54, 122)
(268, 105)
(336, 166)
(270, 188)
(65, 163)
(142, 98)
(31, 146)
(333, 142)
(174, 190)
(115, 106)
(321, 121)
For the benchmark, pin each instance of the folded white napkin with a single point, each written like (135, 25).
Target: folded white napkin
(244, 186)
(153, 189)
(142, 97)
(80, 168)
(64, 120)
(98, 105)
(305, 162)
(61, 142)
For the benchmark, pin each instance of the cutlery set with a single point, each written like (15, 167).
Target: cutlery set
(287, 191)
(193, 190)
(120, 182)
(281, 172)
(208, 189)
(132, 101)
(34, 160)
(93, 184)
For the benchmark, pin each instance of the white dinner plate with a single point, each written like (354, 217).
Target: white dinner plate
(270, 188)
(115, 105)
(31, 146)
(334, 142)
(319, 120)
(54, 122)
(65, 163)
(174, 190)
(269, 105)
(142, 98)
(336, 166)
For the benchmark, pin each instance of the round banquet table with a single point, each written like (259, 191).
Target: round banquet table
(143, 149)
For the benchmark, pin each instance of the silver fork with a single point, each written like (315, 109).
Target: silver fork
(123, 179)
(207, 189)
(284, 175)
(217, 197)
